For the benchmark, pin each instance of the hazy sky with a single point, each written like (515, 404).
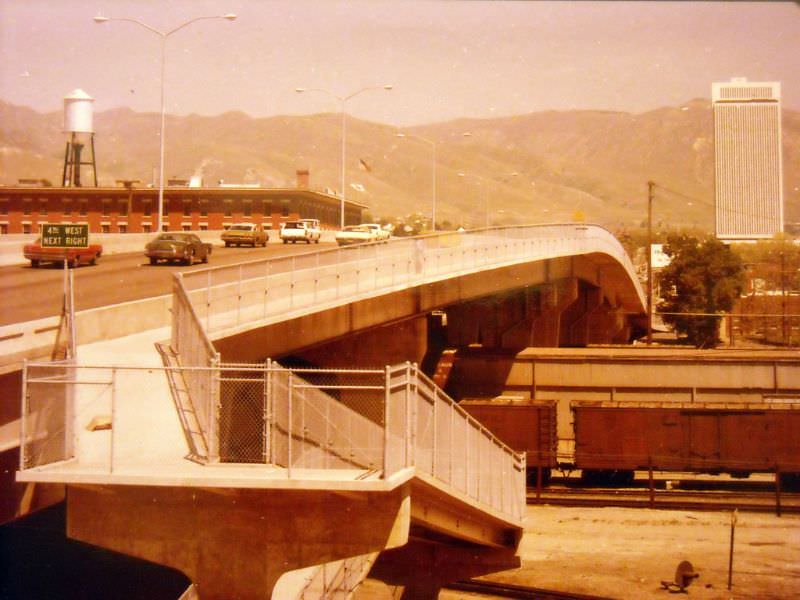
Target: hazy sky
(445, 59)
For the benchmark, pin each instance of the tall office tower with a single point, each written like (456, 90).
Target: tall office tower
(747, 154)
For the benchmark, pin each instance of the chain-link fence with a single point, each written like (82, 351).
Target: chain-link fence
(47, 414)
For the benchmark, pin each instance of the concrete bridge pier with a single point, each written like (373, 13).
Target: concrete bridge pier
(235, 544)
(421, 568)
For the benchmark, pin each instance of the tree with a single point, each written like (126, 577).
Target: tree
(704, 276)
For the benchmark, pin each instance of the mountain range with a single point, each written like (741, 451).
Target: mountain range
(545, 166)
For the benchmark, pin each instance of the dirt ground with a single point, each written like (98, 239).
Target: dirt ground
(626, 553)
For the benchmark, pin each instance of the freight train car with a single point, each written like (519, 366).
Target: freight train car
(612, 439)
(525, 425)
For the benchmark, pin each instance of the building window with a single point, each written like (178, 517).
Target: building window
(67, 207)
(267, 208)
(3, 207)
(42, 206)
(203, 208)
(147, 228)
(248, 208)
(3, 228)
(285, 208)
(186, 227)
(187, 208)
(26, 228)
(84, 204)
(203, 227)
(123, 227)
(147, 209)
(123, 208)
(105, 228)
(26, 207)
(228, 207)
(106, 207)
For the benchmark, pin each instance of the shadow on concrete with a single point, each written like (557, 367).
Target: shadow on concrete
(38, 561)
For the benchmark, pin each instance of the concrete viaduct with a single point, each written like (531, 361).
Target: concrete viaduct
(278, 421)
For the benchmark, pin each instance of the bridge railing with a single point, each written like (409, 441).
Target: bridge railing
(364, 424)
(239, 295)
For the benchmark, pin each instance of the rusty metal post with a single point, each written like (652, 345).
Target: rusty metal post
(538, 475)
(730, 553)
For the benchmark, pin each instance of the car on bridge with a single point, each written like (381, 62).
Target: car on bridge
(245, 234)
(362, 234)
(74, 257)
(302, 230)
(179, 247)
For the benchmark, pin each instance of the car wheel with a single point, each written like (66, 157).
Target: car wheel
(93, 260)
(74, 263)
(153, 260)
(205, 258)
(227, 244)
(189, 258)
(35, 264)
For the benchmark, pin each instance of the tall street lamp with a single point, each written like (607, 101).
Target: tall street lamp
(482, 181)
(342, 100)
(433, 146)
(163, 35)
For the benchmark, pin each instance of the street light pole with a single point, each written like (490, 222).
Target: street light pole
(650, 186)
(342, 100)
(163, 35)
(433, 146)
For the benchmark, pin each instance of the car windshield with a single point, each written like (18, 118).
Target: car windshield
(357, 228)
(242, 227)
(173, 237)
(295, 225)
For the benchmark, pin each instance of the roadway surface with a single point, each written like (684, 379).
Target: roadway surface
(27, 294)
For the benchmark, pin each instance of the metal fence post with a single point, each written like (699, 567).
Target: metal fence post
(386, 420)
(23, 425)
(113, 419)
(265, 416)
(214, 403)
(290, 424)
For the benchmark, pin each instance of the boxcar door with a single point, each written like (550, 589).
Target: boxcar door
(704, 439)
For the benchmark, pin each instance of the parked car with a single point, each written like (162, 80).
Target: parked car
(74, 256)
(302, 230)
(356, 234)
(245, 234)
(177, 247)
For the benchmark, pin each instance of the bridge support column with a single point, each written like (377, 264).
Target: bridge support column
(421, 568)
(555, 299)
(236, 543)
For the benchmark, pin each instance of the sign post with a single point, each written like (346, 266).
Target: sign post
(60, 235)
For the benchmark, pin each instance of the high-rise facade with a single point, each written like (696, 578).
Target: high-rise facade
(747, 154)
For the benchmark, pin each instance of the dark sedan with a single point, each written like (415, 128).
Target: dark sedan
(185, 248)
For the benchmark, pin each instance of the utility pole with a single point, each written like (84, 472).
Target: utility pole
(649, 250)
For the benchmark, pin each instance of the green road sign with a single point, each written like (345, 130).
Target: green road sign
(65, 236)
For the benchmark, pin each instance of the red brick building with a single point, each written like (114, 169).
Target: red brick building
(135, 210)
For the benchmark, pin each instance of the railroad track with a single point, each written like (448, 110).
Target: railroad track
(751, 501)
(510, 590)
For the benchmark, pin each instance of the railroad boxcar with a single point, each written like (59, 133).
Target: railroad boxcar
(525, 425)
(612, 439)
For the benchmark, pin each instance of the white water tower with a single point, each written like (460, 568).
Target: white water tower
(78, 124)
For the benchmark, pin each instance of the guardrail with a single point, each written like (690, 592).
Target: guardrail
(372, 423)
(240, 295)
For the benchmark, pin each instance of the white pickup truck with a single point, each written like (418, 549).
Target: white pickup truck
(302, 230)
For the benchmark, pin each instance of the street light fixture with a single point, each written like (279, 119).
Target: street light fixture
(342, 100)
(433, 146)
(163, 35)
